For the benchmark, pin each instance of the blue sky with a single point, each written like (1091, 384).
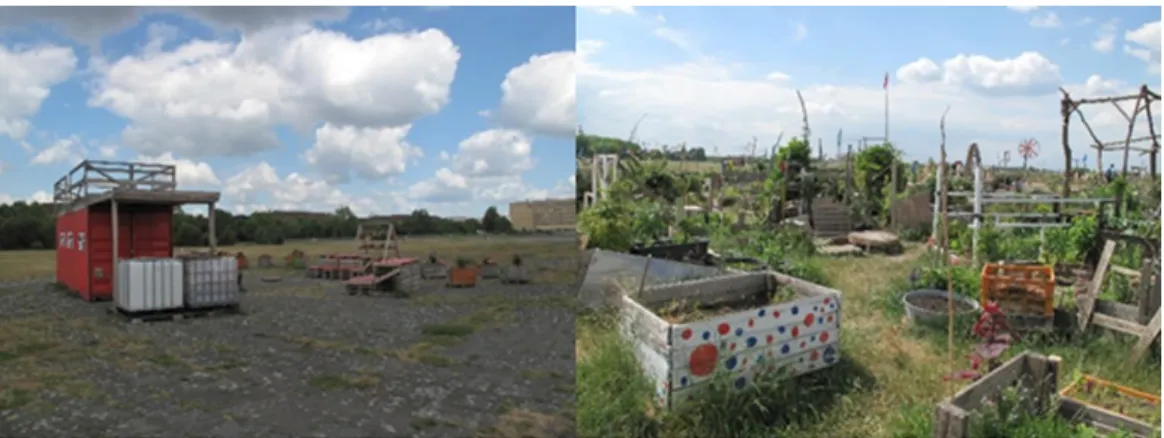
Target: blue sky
(717, 77)
(384, 109)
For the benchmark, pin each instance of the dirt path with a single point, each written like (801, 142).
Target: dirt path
(905, 369)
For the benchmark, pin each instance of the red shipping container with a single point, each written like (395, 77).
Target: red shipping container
(85, 259)
(146, 195)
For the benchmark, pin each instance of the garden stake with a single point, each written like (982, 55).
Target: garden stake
(945, 252)
(643, 279)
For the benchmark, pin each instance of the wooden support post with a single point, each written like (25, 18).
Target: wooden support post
(116, 244)
(1087, 304)
(210, 231)
(1149, 295)
(1151, 331)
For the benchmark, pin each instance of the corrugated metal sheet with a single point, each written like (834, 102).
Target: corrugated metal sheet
(606, 267)
(211, 281)
(149, 284)
(72, 251)
(144, 231)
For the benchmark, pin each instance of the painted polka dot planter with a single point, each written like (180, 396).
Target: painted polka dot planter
(790, 339)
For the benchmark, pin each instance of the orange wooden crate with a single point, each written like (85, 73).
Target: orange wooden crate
(999, 281)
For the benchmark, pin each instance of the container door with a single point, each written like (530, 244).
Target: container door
(151, 231)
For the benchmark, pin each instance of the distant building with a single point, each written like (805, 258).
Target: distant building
(544, 215)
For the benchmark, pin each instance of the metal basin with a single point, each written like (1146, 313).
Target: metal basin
(929, 306)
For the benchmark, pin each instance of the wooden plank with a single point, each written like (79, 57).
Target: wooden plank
(1088, 305)
(707, 291)
(1146, 337)
(1117, 324)
(1125, 271)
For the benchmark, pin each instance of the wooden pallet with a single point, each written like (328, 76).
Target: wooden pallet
(1146, 333)
(176, 314)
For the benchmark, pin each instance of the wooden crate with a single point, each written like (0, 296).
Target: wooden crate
(789, 338)
(1020, 290)
(1039, 376)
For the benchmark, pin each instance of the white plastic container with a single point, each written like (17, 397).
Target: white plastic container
(148, 284)
(211, 281)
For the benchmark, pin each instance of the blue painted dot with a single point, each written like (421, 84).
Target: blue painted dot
(760, 359)
(706, 335)
(819, 320)
(731, 363)
(802, 359)
(740, 382)
(762, 312)
(813, 337)
(785, 349)
(795, 310)
(780, 329)
(739, 332)
(683, 381)
(751, 342)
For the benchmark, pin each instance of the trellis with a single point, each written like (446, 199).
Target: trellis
(1143, 103)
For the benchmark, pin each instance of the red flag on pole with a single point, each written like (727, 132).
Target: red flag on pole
(885, 85)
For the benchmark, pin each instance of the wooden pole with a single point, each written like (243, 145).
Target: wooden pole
(211, 233)
(945, 254)
(116, 244)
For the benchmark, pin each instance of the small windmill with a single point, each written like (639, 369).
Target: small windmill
(1028, 149)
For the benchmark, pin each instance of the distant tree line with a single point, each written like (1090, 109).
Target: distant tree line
(33, 226)
(587, 146)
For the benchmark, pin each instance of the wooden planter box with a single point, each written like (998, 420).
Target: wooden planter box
(490, 272)
(515, 274)
(788, 338)
(1073, 405)
(1039, 375)
(463, 277)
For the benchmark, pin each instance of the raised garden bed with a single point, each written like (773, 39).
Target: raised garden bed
(743, 324)
(1037, 376)
(1110, 407)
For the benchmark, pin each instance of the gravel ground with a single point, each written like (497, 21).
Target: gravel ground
(304, 360)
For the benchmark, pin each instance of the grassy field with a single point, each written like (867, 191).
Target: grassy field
(886, 385)
(41, 264)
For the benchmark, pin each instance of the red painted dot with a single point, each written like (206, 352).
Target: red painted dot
(775, 313)
(744, 362)
(824, 337)
(814, 356)
(686, 334)
(732, 347)
(702, 360)
(826, 301)
(751, 323)
(723, 328)
(802, 344)
(795, 331)
(809, 319)
(769, 339)
(830, 318)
